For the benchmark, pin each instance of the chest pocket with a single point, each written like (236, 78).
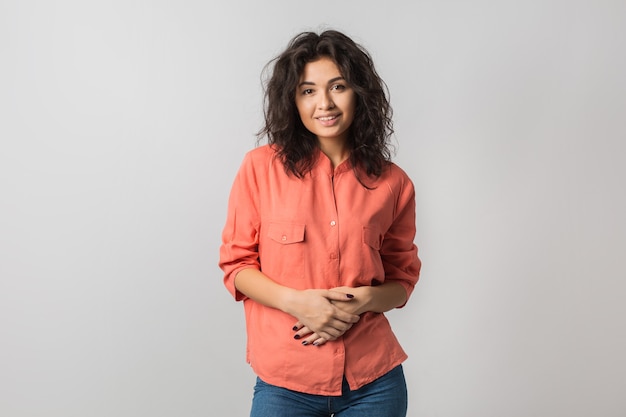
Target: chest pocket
(372, 237)
(282, 252)
(286, 233)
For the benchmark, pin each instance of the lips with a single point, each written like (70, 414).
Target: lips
(328, 121)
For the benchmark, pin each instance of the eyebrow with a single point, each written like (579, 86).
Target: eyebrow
(332, 80)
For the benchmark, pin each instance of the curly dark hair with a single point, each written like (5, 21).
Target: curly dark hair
(372, 127)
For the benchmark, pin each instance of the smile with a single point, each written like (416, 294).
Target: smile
(327, 118)
(328, 121)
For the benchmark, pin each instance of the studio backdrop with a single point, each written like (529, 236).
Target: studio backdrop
(123, 123)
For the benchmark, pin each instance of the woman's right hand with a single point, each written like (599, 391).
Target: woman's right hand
(315, 311)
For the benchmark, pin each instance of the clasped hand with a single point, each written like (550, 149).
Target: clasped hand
(325, 315)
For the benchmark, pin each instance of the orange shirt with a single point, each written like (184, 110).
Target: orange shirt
(323, 231)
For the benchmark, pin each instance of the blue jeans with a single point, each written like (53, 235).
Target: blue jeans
(384, 397)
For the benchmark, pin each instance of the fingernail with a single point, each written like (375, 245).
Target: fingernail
(297, 336)
(304, 342)
(294, 328)
(315, 343)
(349, 295)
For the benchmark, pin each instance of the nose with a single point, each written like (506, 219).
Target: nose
(326, 101)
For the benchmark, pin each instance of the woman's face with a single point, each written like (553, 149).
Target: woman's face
(325, 101)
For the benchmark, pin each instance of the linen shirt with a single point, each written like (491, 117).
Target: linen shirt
(321, 231)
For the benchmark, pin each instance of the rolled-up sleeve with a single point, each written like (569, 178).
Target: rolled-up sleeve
(398, 251)
(240, 236)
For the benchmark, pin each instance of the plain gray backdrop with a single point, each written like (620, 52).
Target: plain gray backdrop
(122, 124)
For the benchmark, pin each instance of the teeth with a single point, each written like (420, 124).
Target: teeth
(327, 118)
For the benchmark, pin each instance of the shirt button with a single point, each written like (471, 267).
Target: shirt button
(284, 238)
(332, 222)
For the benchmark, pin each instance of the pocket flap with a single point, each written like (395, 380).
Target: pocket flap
(286, 233)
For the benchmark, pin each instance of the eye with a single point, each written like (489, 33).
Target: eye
(307, 91)
(338, 87)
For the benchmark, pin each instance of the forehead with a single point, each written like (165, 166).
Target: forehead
(322, 69)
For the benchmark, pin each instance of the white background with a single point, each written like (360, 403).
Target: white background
(122, 124)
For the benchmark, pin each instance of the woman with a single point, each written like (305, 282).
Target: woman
(318, 240)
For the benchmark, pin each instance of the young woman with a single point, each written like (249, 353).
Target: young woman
(318, 241)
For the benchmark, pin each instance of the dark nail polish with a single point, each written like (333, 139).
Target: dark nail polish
(304, 342)
(297, 336)
(294, 328)
(349, 295)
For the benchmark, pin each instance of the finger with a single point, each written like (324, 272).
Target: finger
(338, 295)
(316, 340)
(304, 331)
(340, 326)
(330, 334)
(297, 326)
(335, 328)
(319, 342)
(345, 317)
(309, 340)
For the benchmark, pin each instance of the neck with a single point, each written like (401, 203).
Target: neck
(336, 151)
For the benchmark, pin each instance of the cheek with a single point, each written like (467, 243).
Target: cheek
(349, 105)
(350, 111)
(302, 108)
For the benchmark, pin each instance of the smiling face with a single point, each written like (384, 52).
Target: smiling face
(325, 101)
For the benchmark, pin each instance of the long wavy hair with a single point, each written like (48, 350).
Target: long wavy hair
(372, 127)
